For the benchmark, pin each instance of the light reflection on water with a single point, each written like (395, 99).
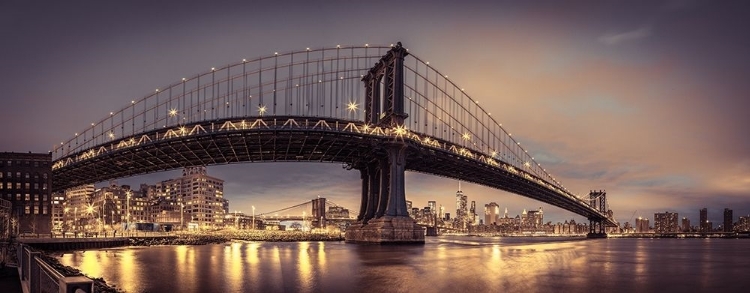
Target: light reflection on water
(448, 264)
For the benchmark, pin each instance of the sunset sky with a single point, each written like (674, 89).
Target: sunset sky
(646, 99)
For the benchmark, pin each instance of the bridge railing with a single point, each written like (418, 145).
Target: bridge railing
(321, 83)
(38, 276)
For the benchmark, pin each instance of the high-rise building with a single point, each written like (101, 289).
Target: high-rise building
(728, 220)
(202, 197)
(25, 181)
(685, 224)
(641, 225)
(491, 213)
(532, 219)
(409, 206)
(473, 213)
(665, 222)
(461, 208)
(433, 206)
(743, 224)
(704, 221)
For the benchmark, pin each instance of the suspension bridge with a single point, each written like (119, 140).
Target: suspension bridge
(318, 211)
(380, 110)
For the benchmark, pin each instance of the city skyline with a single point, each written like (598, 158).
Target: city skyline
(675, 105)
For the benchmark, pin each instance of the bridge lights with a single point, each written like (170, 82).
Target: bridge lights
(400, 130)
(261, 110)
(112, 135)
(527, 164)
(352, 106)
(466, 136)
(172, 112)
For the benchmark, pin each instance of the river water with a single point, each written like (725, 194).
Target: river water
(443, 264)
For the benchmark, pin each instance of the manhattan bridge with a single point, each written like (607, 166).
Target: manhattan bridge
(379, 110)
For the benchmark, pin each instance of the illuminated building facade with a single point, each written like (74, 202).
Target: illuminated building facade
(25, 181)
(491, 213)
(641, 225)
(666, 222)
(201, 195)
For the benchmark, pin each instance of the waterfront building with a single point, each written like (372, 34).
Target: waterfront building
(409, 206)
(743, 224)
(685, 224)
(704, 227)
(491, 213)
(665, 222)
(76, 203)
(532, 220)
(728, 220)
(201, 196)
(58, 211)
(641, 225)
(25, 181)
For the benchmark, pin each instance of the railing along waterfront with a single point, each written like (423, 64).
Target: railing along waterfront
(38, 276)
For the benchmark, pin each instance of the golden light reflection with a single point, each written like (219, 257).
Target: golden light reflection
(233, 254)
(322, 257)
(172, 112)
(304, 266)
(91, 265)
(129, 264)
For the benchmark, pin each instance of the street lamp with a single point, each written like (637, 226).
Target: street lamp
(127, 210)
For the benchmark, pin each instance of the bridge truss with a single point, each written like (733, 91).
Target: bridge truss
(309, 105)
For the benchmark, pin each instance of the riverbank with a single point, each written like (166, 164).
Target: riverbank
(225, 236)
(280, 236)
(100, 285)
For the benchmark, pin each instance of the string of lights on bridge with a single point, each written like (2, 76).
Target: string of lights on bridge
(351, 106)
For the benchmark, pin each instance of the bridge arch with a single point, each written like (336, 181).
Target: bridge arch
(308, 105)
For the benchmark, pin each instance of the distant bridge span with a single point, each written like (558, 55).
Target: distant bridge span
(311, 106)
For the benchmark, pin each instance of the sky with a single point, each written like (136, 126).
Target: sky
(647, 100)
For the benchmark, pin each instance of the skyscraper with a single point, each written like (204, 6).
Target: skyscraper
(685, 224)
(433, 206)
(473, 213)
(461, 207)
(728, 220)
(704, 221)
(491, 213)
(641, 225)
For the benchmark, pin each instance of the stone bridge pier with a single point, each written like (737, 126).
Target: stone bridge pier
(383, 217)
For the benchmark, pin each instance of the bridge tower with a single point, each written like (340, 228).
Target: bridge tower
(383, 217)
(319, 212)
(598, 201)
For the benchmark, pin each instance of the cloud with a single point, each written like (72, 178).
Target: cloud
(618, 38)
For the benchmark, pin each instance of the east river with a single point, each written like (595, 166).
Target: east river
(443, 264)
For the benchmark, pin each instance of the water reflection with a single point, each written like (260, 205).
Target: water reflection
(457, 264)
